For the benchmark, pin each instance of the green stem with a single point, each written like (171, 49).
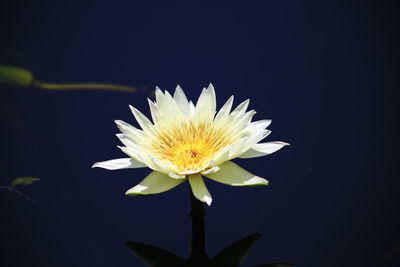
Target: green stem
(197, 212)
(84, 86)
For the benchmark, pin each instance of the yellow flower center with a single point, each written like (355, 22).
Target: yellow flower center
(188, 146)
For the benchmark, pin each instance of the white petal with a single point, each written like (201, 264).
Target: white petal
(241, 109)
(213, 98)
(143, 121)
(159, 95)
(132, 132)
(262, 149)
(154, 183)
(256, 125)
(153, 111)
(224, 111)
(205, 106)
(240, 122)
(162, 166)
(126, 140)
(137, 153)
(222, 155)
(115, 164)
(248, 143)
(199, 189)
(161, 100)
(132, 151)
(181, 100)
(167, 109)
(238, 147)
(192, 108)
(232, 174)
(175, 111)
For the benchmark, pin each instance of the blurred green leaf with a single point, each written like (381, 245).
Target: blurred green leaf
(235, 253)
(24, 181)
(154, 256)
(15, 76)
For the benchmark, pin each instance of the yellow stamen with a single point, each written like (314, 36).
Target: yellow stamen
(190, 146)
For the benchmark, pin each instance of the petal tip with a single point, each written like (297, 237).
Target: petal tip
(257, 181)
(136, 190)
(264, 182)
(207, 200)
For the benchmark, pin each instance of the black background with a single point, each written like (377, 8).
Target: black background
(325, 72)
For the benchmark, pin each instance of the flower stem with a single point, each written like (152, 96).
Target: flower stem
(197, 212)
(84, 86)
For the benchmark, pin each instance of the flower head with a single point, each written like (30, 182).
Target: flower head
(187, 141)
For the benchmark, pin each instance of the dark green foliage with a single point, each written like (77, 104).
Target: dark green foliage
(235, 253)
(24, 181)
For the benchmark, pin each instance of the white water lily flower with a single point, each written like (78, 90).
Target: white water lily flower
(187, 141)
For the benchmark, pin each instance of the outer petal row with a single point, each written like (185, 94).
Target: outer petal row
(154, 183)
(115, 164)
(262, 149)
(228, 173)
(231, 174)
(199, 189)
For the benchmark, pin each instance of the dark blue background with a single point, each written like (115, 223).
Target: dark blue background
(325, 73)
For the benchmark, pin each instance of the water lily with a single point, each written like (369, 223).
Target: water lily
(187, 141)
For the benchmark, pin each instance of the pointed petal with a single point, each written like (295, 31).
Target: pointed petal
(143, 121)
(132, 151)
(153, 111)
(131, 131)
(181, 100)
(115, 164)
(257, 125)
(126, 140)
(159, 94)
(232, 174)
(224, 111)
(240, 122)
(172, 109)
(199, 189)
(248, 142)
(206, 104)
(213, 98)
(262, 149)
(241, 109)
(154, 183)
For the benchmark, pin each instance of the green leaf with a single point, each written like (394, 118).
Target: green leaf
(235, 253)
(24, 181)
(15, 76)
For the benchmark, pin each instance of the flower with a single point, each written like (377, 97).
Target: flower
(187, 141)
